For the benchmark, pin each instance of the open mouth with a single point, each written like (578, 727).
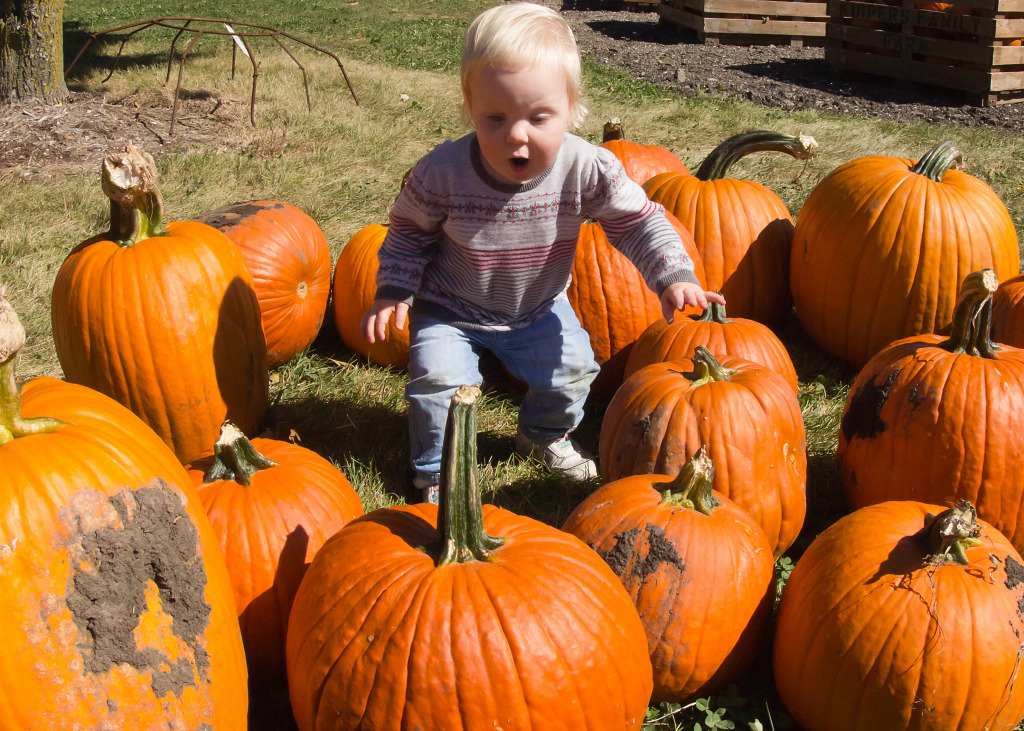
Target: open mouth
(519, 163)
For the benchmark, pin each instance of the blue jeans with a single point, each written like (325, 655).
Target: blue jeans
(552, 356)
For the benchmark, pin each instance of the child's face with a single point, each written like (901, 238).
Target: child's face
(520, 118)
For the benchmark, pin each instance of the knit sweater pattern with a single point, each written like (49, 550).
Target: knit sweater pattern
(480, 252)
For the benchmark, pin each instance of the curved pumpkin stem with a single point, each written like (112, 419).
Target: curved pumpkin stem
(706, 368)
(12, 339)
(692, 488)
(136, 205)
(613, 130)
(972, 316)
(460, 520)
(235, 458)
(950, 533)
(934, 163)
(720, 159)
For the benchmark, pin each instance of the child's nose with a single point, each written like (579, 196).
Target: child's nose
(518, 132)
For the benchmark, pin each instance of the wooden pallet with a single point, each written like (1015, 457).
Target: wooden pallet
(747, 22)
(966, 48)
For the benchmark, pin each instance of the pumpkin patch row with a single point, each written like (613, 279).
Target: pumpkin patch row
(660, 584)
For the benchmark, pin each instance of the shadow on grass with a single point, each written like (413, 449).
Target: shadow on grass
(99, 55)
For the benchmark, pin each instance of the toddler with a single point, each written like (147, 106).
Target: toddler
(483, 235)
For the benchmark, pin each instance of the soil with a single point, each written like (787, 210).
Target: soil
(629, 37)
(39, 141)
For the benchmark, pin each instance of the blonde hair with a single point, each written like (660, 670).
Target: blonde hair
(523, 35)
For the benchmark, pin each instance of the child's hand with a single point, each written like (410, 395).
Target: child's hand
(679, 295)
(375, 322)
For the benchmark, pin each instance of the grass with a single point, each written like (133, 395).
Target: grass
(342, 164)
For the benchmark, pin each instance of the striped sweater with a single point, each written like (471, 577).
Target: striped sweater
(477, 251)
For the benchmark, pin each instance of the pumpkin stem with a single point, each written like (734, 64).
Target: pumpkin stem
(613, 130)
(972, 316)
(934, 163)
(136, 205)
(714, 312)
(692, 488)
(720, 159)
(460, 520)
(12, 338)
(235, 458)
(950, 533)
(706, 368)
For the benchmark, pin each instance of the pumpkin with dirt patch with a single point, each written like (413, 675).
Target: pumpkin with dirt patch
(938, 419)
(699, 569)
(903, 616)
(117, 607)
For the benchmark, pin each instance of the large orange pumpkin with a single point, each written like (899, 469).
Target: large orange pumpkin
(747, 416)
(355, 285)
(698, 568)
(612, 301)
(742, 229)
(903, 616)
(162, 318)
(937, 419)
(748, 339)
(462, 617)
(272, 504)
(290, 262)
(881, 247)
(116, 603)
(640, 161)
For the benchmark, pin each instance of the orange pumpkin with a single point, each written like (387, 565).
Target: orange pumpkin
(882, 245)
(355, 275)
(117, 607)
(1008, 312)
(462, 617)
(720, 334)
(746, 415)
(699, 569)
(903, 616)
(290, 262)
(612, 301)
(938, 419)
(742, 229)
(163, 319)
(640, 161)
(272, 505)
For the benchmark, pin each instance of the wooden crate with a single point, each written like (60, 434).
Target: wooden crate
(966, 48)
(748, 22)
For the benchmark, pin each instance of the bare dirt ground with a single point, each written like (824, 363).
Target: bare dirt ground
(780, 76)
(39, 141)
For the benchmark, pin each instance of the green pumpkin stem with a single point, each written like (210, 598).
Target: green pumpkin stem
(706, 368)
(613, 130)
(934, 163)
(950, 533)
(235, 458)
(12, 339)
(136, 205)
(972, 316)
(714, 312)
(460, 520)
(692, 488)
(723, 157)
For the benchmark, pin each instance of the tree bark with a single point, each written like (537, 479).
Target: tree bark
(32, 50)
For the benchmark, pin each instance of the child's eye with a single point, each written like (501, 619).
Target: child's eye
(496, 118)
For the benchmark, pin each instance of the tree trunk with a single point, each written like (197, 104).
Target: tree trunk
(32, 50)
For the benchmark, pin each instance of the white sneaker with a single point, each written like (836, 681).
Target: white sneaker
(562, 456)
(429, 487)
